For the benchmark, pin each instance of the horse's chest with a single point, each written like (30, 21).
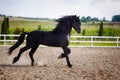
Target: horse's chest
(68, 37)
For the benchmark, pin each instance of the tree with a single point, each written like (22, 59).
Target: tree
(116, 18)
(5, 26)
(89, 18)
(100, 33)
(83, 19)
(84, 32)
(104, 19)
(95, 19)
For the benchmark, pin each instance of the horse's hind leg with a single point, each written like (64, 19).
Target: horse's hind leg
(20, 52)
(31, 54)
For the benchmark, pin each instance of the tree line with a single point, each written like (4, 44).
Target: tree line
(115, 18)
(94, 19)
(32, 18)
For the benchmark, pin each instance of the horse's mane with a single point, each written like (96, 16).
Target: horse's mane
(61, 22)
(64, 18)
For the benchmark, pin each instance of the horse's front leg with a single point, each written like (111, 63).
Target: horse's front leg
(65, 54)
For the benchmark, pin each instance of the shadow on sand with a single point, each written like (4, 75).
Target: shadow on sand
(10, 65)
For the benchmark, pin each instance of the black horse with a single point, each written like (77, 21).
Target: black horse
(59, 37)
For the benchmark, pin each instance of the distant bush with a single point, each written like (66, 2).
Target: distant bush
(100, 33)
(84, 32)
(18, 31)
(39, 27)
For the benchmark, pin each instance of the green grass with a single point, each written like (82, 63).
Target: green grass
(31, 25)
(108, 30)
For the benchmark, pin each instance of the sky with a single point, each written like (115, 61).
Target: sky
(59, 8)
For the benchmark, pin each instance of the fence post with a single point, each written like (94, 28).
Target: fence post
(91, 41)
(117, 42)
(4, 40)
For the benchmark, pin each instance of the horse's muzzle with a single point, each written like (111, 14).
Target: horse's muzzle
(79, 31)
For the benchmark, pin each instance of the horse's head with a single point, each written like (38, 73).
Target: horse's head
(76, 24)
(67, 22)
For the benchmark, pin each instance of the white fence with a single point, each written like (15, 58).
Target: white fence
(75, 41)
(96, 41)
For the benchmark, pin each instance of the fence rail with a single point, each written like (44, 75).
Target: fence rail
(75, 41)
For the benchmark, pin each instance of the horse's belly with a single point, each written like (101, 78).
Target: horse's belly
(54, 40)
(51, 43)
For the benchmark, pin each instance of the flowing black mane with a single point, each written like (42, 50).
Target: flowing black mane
(64, 19)
(62, 22)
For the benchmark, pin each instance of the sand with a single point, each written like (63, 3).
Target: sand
(88, 64)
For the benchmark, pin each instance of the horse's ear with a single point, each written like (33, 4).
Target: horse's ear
(57, 20)
(79, 17)
(74, 16)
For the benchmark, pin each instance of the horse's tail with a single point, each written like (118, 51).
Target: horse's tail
(18, 43)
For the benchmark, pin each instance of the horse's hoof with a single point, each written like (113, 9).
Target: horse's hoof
(15, 60)
(33, 64)
(61, 56)
(70, 65)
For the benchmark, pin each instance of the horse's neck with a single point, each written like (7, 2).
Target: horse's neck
(63, 28)
(67, 29)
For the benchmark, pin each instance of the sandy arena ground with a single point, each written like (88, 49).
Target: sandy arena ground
(88, 64)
